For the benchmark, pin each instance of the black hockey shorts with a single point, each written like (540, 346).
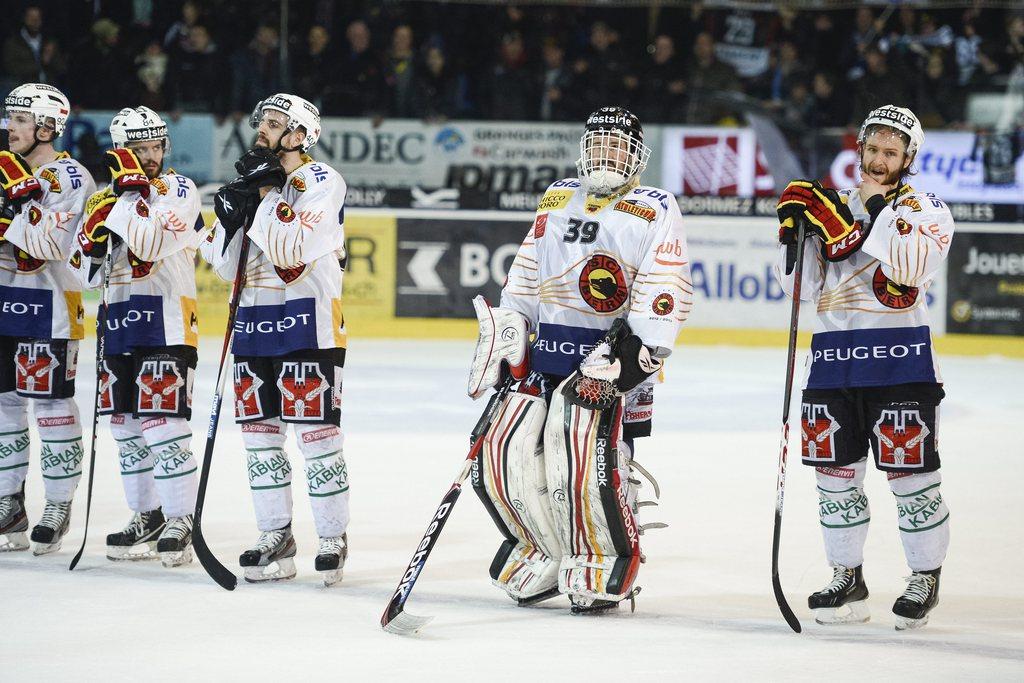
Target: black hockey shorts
(899, 422)
(303, 387)
(149, 382)
(38, 368)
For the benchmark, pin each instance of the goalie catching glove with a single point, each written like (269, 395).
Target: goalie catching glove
(502, 344)
(622, 359)
(827, 215)
(17, 181)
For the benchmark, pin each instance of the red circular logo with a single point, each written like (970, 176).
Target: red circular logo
(34, 215)
(602, 284)
(142, 208)
(890, 294)
(663, 304)
(285, 214)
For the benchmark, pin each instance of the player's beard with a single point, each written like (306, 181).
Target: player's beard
(891, 179)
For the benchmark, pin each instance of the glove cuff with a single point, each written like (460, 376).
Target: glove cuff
(874, 205)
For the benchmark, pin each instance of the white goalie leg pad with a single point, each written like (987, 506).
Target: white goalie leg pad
(174, 467)
(592, 516)
(136, 463)
(60, 452)
(511, 470)
(323, 448)
(504, 338)
(843, 512)
(14, 442)
(270, 473)
(923, 519)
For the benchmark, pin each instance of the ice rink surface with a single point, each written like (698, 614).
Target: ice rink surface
(706, 610)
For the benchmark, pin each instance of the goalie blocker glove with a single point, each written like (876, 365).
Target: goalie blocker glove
(501, 346)
(827, 215)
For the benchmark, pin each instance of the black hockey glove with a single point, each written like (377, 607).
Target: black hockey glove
(235, 205)
(260, 167)
(622, 358)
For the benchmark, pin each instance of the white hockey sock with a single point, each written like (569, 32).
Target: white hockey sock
(174, 471)
(923, 519)
(136, 463)
(14, 442)
(60, 454)
(270, 473)
(322, 446)
(844, 513)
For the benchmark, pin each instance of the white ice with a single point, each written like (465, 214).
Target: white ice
(706, 610)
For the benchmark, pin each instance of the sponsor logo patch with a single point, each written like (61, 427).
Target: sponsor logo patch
(554, 199)
(298, 183)
(636, 208)
(539, 225)
(51, 177)
(912, 203)
(160, 185)
(602, 284)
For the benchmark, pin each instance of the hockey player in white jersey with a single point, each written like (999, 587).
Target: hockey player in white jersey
(602, 282)
(289, 336)
(146, 224)
(42, 199)
(872, 380)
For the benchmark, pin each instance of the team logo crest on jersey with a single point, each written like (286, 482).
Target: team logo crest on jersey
(159, 384)
(140, 268)
(636, 208)
(290, 275)
(602, 284)
(663, 304)
(903, 227)
(817, 429)
(50, 176)
(247, 393)
(539, 225)
(26, 262)
(76, 259)
(890, 294)
(36, 364)
(912, 203)
(142, 208)
(298, 183)
(285, 214)
(34, 215)
(901, 437)
(107, 380)
(302, 388)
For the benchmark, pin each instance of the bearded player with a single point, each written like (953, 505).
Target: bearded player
(602, 282)
(872, 380)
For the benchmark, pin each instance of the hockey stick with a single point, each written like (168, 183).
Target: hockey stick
(101, 326)
(394, 619)
(780, 485)
(224, 577)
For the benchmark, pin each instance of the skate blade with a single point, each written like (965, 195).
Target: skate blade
(176, 558)
(405, 624)
(332, 576)
(850, 613)
(907, 624)
(132, 553)
(540, 597)
(598, 607)
(281, 570)
(46, 548)
(13, 542)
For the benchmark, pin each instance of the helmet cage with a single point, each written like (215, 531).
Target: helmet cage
(610, 159)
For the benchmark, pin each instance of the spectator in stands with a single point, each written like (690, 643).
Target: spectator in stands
(556, 83)
(967, 45)
(360, 79)
(940, 101)
(178, 34)
(511, 89)
(662, 95)
(29, 56)
(256, 72)
(785, 69)
(151, 76)
(708, 79)
(437, 96)
(1011, 57)
(821, 44)
(601, 71)
(866, 30)
(102, 74)
(400, 74)
(830, 108)
(879, 86)
(197, 76)
(314, 71)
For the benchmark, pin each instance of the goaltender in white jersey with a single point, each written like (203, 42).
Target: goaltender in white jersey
(602, 281)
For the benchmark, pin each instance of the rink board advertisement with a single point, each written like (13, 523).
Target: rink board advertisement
(986, 284)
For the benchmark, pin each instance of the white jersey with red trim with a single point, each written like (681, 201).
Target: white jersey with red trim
(292, 295)
(589, 260)
(38, 296)
(152, 294)
(872, 327)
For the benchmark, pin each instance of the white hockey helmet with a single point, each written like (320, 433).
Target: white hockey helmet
(300, 112)
(897, 118)
(48, 106)
(138, 125)
(612, 151)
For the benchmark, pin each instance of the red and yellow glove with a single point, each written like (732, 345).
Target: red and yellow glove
(16, 179)
(792, 205)
(126, 174)
(833, 221)
(94, 236)
(7, 214)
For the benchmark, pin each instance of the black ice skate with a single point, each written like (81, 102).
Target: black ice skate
(13, 522)
(272, 558)
(48, 534)
(137, 541)
(330, 558)
(175, 544)
(588, 605)
(844, 600)
(920, 597)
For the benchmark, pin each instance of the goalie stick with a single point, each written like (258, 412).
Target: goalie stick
(395, 619)
(224, 577)
(780, 484)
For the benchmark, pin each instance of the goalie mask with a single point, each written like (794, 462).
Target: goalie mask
(899, 119)
(612, 151)
(300, 112)
(141, 124)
